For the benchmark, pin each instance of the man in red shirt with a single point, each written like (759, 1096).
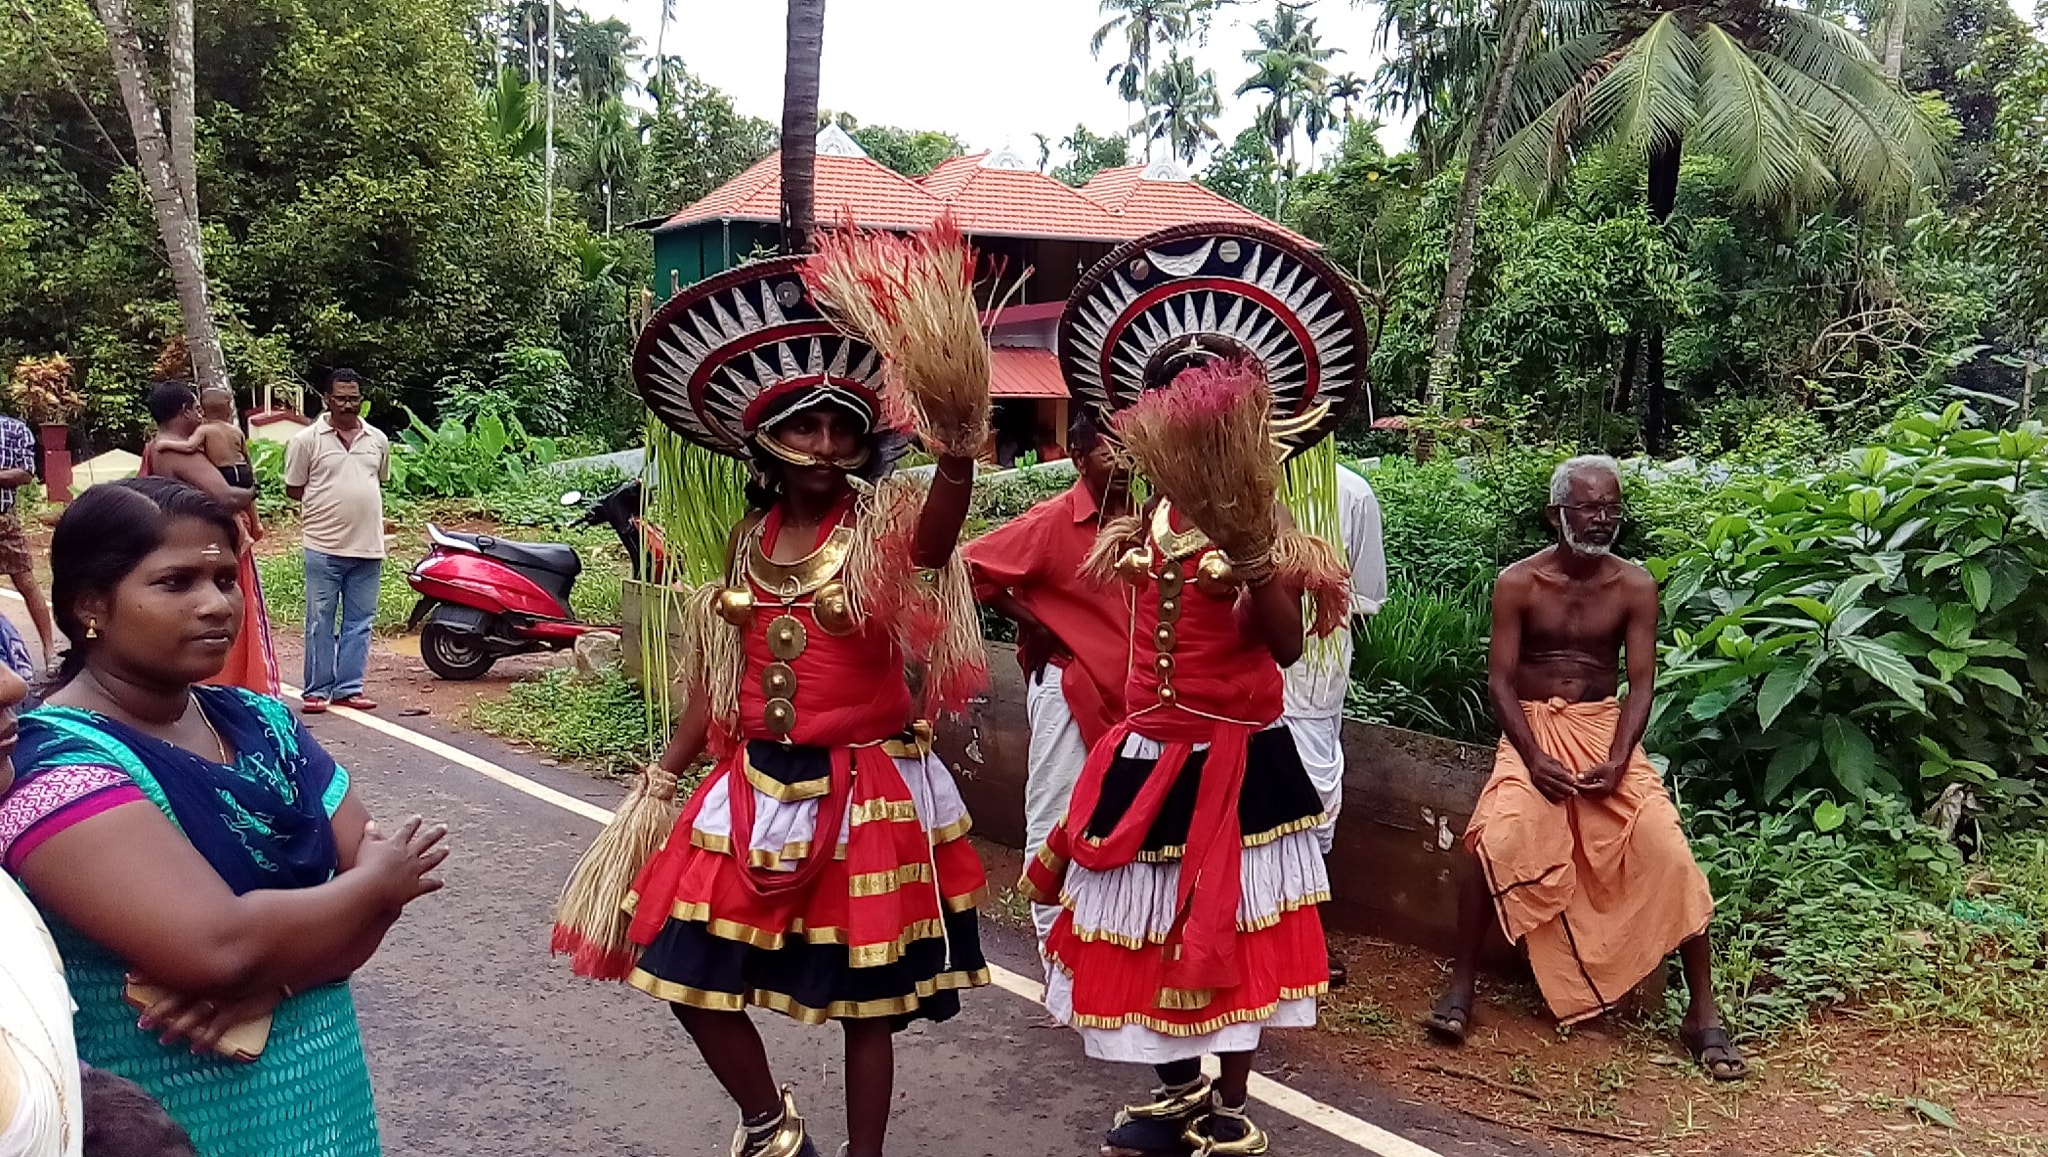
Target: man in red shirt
(1072, 635)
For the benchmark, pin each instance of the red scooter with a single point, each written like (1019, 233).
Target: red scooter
(483, 597)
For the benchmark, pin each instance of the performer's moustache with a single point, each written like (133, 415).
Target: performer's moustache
(789, 455)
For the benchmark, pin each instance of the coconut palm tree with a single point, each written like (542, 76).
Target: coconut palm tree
(1794, 102)
(1291, 68)
(1181, 104)
(1142, 23)
(1347, 89)
(610, 139)
(805, 50)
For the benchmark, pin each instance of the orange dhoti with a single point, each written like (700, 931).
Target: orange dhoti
(1598, 890)
(251, 662)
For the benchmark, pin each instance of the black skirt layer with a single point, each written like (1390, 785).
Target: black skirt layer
(815, 982)
(1277, 798)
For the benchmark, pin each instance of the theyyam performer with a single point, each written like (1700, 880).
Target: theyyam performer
(1187, 866)
(821, 869)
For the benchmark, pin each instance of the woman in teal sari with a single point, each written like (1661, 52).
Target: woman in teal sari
(193, 848)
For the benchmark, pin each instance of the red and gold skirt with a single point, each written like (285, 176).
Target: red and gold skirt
(1111, 943)
(750, 903)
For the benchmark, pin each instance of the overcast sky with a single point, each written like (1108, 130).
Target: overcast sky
(992, 72)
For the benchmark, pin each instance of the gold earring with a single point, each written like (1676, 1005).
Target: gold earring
(92, 629)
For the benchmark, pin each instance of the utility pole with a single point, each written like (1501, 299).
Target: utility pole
(548, 201)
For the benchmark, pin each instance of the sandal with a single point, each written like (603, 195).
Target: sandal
(1451, 1019)
(1713, 1051)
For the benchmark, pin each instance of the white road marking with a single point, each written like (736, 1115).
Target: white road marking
(1302, 1107)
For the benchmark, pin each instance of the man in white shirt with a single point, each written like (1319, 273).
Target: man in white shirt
(336, 469)
(1316, 686)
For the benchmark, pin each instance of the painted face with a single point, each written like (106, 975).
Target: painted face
(176, 615)
(1589, 519)
(824, 443)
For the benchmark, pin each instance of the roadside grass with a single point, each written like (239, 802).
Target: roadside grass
(598, 721)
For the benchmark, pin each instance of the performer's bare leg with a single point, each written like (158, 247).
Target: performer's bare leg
(870, 1084)
(1237, 1074)
(1451, 1019)
(734, 1053)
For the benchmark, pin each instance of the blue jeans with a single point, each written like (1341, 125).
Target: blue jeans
(344, 589)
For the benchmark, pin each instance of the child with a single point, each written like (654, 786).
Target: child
(218, 438)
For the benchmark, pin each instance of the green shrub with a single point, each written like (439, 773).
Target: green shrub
(1421, 663)
(1877, 630)
(599, 721)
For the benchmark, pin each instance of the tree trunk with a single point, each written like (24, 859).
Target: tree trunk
(547, 213)
(182, 106)
(1519, 21)
(1895, 41)
(175, 223)
(805, 53)
(1625, 381)
(1663, 198)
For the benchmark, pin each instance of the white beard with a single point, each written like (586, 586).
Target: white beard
(1584, 549)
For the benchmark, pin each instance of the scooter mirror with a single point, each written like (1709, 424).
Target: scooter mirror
(573, 498)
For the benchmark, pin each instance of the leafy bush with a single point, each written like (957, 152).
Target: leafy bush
(1882, 916)
(598, 720)
(998, 500)
(1421, 663)
(455, 460)
(1878, 630)
(535, 388)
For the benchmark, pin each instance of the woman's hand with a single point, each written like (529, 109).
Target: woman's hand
(400, 862)
(203, 1020)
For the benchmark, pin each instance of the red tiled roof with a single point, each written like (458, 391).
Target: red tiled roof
(878, 197)
(1015, 372)
(1146, 205)
(992, 197)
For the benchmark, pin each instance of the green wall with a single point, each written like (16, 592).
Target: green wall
(685, 256)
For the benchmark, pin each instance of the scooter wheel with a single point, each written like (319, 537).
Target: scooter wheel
(454, 655)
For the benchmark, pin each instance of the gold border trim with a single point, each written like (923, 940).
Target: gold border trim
(1155, 939)
(780, 792)
(1203, 1028)
(682, 994)
(792, 580)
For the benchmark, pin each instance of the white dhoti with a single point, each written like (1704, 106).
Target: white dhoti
(1052, 764)
(1320, 740)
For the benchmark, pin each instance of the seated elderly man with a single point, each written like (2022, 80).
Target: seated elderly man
(1579, 852)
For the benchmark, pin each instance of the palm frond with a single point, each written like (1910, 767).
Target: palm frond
(1819, 47)
(1746, 118)
(1543, 79)
(1649, 100)
(1535, 157)
(1880, 143)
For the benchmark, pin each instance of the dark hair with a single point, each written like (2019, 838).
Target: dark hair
(168, 399)
(337, 377)
(1084, 431)
(105, 535)
(121, 1120)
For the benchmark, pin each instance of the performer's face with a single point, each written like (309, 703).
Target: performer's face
(826, 433)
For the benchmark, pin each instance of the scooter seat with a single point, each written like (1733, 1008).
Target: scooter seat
(551, 566)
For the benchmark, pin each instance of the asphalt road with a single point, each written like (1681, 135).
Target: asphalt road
(481, 1045)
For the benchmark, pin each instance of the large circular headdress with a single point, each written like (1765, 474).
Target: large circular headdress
(740, 350)
(1193, 294)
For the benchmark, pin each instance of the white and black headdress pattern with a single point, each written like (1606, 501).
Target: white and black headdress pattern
(1192, 294)
(738, 352)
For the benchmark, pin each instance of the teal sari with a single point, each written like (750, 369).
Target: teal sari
(261, 822)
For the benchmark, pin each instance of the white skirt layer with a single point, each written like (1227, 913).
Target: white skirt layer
(1136, 1044)
(1135, 904)
(785, 833)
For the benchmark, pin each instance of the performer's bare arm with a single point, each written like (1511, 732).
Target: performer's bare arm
(945, 511)
(687, 744)
(1511, 596)
(1271, 614)
(1639, 593)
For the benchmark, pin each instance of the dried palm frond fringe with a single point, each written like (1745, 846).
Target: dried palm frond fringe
(590, 922)
(1309, 493)
(1316, 569)
(1206, 443)
(912, 298)
(1117, 537)
(934, 621)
